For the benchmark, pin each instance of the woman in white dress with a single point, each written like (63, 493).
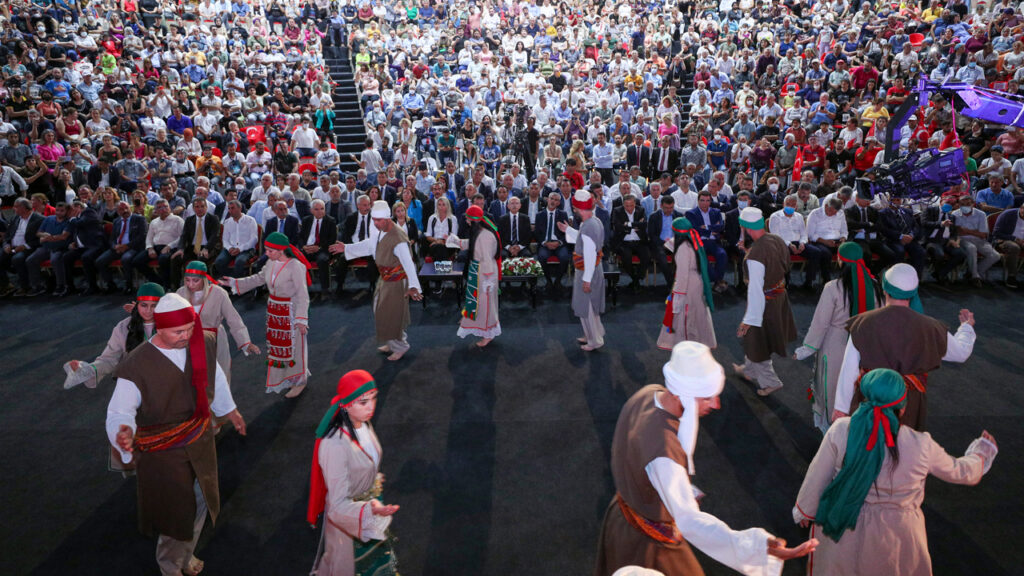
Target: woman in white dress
(688, 309)
(286, 276)
(853, 292)
(346, 484)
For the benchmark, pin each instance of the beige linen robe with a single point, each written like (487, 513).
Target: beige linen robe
(115, 351)
(828, 336)
(348, 471)
(692, 317)
(214, 309)
(890, 535)
(486, 324)
(285, 280)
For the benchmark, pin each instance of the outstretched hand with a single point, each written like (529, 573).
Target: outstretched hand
(129, 307)
(777, 548)
(966, 317)
(224, 282)
(379, 509)
(415, 294)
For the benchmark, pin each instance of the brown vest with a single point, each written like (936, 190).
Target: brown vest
(899, 338)
(644, 432)
(771, 251)
(166, 498)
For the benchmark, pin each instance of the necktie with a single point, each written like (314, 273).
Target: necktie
(514, 224)
(317, 240)
(551, 225)
(124, 231)
(864, 214)
(197, 242)
(362, 227)
(663, 160)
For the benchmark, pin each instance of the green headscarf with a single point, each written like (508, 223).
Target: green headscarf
(862, 296)
(872, 427)
(684, 230)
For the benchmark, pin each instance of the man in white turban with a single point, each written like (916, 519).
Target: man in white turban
(654, 517)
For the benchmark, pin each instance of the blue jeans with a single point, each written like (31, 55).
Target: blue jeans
(221, 264)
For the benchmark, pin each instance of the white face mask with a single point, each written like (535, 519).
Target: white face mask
(773, 187)
(966, 210)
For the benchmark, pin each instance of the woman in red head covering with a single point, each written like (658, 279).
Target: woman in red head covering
(345, 485)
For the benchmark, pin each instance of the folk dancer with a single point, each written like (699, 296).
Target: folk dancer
(768, 324)
(286, 277)
(396, 284)
(900, 337)
(654, 517)
(159, 417)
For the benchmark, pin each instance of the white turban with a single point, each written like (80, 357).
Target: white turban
(692, 373)
(380, 210)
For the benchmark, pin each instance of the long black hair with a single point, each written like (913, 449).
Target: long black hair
(343, 421)
(136, 331)
(846, 284)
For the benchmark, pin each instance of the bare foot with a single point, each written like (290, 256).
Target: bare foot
(383, 349)
(294, 391)
(589, 348)
(484, 342)
(581, 340)
(738, 369)
(396, 356)
(195, 566)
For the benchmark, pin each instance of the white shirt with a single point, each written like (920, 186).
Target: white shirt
(820, 226)
(959, 347)
(19, 234)
(790, 228)
(165, 232)
(401, 251)
(125, 402)
(240, 234)
(745, 551)
(632, 236)
(305, 138)
(311, 241)
(685, 200)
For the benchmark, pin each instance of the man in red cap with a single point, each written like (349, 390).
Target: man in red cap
(588, 286)
(159, 416)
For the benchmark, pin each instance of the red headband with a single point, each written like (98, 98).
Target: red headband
(195, 272)
(588, 205)
(147, 298)
(175, 318)
(297, 254)
(884, 423)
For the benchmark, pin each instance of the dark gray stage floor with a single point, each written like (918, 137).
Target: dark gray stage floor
(498, 457)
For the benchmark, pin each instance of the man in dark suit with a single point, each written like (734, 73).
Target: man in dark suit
(358, 227)
(551, 242)
(771, 200)
(319, 231)
(709, 223)
(659, 229)
(430, 204)
(103, 174)
(639, 155)
(1006, 239)
(387, 193)
(732, 234)
(337, 208)
(902, 234)
(862, 222)
(127, 239)
(664, 160)
(533, 203)
(514, 229)
(499, 206)
(629, 238)
(87, 242)
(941, 240)
(284, 223)
(203, 246)
(451, 181)
(21, 239)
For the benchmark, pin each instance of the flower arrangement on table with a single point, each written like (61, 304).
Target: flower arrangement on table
(521, 267)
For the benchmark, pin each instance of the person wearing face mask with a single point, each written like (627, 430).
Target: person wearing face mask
(942, 242)
(972, 226)
(772, 199)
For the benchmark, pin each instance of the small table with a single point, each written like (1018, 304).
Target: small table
(611, 282)
(529, 282)
(428, 276)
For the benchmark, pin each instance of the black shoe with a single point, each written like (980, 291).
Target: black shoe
(7, 291)
(38, 291)
(20, 293)
(976, 282)
(60, 292)
(1011, 282)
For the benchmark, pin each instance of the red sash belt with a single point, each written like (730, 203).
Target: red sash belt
(177, 437)
(392, 273)
(918, 382)
(775, 291)
(577, 260)
(664, 532)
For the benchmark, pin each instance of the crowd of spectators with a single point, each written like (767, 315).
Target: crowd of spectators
(142, 134)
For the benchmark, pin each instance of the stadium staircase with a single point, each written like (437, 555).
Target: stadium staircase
(350, 133)
(684, 93)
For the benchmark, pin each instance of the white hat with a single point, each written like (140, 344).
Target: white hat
(752, 218)
(380, 210)
(691, 373)
(637, 571)
(903, 277)
(582, 200)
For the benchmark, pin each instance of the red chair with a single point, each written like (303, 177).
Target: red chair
(307, 166)
(217, 152)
